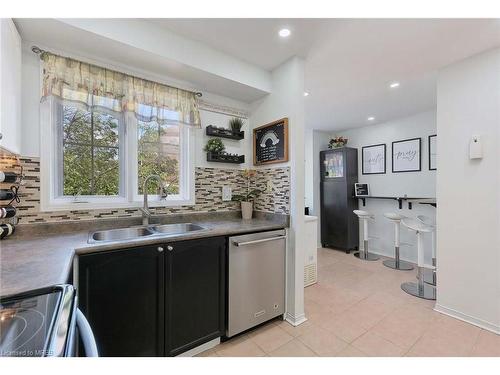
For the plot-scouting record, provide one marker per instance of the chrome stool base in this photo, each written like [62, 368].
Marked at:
[398, 265]
[429, 277]
[420, 290]
[363, 255]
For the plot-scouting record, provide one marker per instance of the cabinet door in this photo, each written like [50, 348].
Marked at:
[122, 295]
[195, 293]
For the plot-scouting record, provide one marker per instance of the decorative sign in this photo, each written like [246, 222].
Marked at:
[373, 159]
[432, 152]
[270, 143]
[406, 155]
[361, 190]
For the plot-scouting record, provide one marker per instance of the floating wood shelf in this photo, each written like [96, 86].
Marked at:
[225, 158]
[224, 133]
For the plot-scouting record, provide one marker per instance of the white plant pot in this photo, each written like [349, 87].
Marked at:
[246, 210]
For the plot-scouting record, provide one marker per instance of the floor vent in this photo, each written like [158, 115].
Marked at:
[310, 274]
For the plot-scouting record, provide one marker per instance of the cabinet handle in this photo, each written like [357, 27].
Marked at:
[160, 249]
[169, 248]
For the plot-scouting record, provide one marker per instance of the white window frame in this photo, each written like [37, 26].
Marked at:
[51, 170]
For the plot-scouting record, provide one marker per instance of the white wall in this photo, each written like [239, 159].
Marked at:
[316, 141]
[413, 184]
[30, 140]
[287, 100]
[468, 191]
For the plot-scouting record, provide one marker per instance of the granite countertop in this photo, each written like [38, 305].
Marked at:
[42, 255]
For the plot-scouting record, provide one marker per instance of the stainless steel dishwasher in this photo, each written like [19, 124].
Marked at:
[256, 289]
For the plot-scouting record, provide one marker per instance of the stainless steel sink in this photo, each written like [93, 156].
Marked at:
[176, 228]
[138, 232]
[120, 234]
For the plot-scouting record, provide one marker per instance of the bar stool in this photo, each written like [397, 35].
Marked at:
[420, 289]
[396, 263]
[364, 216]
[430, 274]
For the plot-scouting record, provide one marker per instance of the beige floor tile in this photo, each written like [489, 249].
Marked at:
[400, 330]
[441, 341]
[293, 348]
[322, 342]
[487, 345]
[350, 351]
[296, 331]
[243, 347]
[270, 337]
[376, 346]
[344, 326]
[368, 312]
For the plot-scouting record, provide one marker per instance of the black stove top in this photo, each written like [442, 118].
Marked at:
[36, 324]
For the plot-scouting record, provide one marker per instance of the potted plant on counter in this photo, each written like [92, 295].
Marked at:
[249, 196]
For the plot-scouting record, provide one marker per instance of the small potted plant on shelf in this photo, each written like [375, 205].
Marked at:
[236, 124]
[215, 146]
[337, 142]
[249, 196]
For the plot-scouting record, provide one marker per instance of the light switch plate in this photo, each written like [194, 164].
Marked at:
[227, 194]
[475, 147]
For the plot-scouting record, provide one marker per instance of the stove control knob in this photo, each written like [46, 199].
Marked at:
[160, 249]
[169, 248]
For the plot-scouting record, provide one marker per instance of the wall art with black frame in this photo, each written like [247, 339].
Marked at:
[432, 152]
[373, 159]
[406, 155]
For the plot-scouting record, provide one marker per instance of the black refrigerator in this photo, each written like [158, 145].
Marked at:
[339, 173]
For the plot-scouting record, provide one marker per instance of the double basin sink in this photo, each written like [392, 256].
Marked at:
[132, 233]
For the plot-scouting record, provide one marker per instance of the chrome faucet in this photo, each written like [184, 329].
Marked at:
[146, 213]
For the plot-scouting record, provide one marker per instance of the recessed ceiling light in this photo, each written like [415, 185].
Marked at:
[306, 93]
[284, 33]
[393, 85]
[371, 118]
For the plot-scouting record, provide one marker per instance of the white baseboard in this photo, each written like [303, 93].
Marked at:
[200, 349]
[295, 320]
[467, 318]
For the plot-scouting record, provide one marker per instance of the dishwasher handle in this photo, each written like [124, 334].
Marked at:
[86, 335]
[236, 243]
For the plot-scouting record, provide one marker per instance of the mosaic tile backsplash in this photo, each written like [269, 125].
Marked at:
[208, 197]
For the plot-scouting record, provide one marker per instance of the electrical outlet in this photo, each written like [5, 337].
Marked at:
[227, 194]
[269, 186]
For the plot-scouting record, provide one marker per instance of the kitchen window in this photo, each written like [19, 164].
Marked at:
[98, 145]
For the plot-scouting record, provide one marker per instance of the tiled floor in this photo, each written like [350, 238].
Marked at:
[357, 308]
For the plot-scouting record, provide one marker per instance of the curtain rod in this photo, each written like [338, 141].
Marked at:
[37, 50]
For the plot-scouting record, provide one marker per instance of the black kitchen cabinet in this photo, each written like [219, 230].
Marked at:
[195, 293]
[122, 294]
[158, 300]
[339, 173]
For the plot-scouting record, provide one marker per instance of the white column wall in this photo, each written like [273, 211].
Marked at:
[287, 100]
[468, 191]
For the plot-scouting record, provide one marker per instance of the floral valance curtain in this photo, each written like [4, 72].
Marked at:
[94, 86]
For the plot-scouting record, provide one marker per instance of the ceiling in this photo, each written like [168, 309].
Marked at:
[254, 40]
[350, 62]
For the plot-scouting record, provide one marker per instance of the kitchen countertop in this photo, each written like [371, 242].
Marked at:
[42, 256]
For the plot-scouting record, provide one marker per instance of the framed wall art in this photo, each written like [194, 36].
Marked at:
[432, 152]
[406, 155]
[270, 143]
[373, 159]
